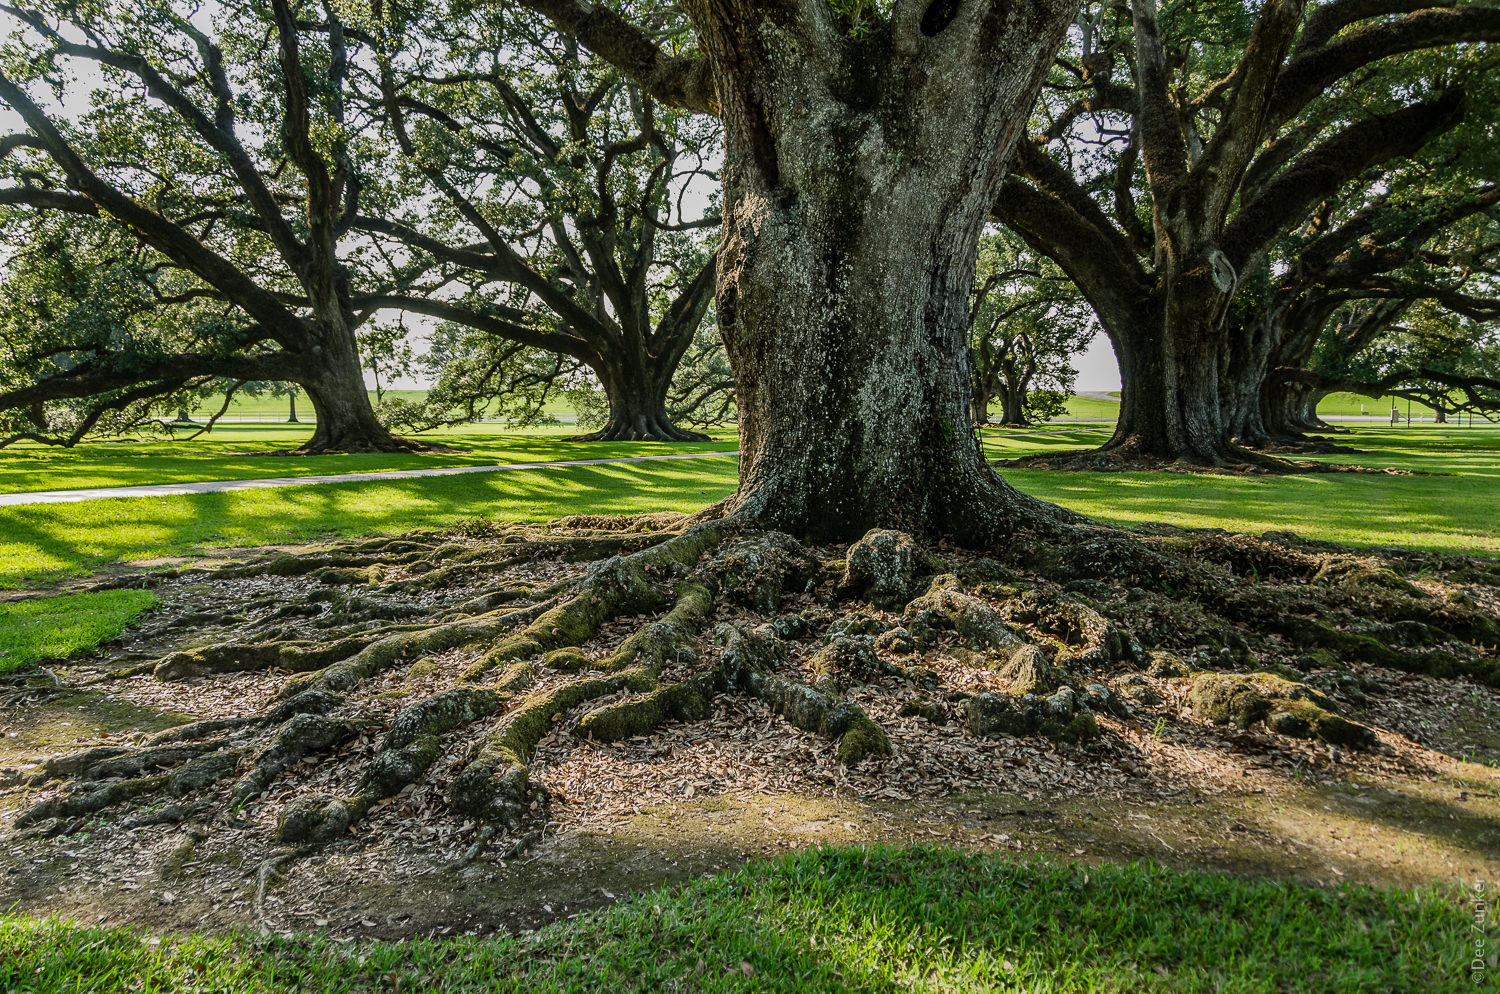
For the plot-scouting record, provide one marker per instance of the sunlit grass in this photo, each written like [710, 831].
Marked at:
[239, 452]
[1450, 503]
[840, 920]
[62, 627]
[42, 542]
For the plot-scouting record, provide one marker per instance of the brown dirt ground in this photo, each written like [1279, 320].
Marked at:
[698, 797]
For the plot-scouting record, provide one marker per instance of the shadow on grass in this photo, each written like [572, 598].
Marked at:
[42, 542]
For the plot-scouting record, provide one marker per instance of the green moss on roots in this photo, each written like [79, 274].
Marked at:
[624, 649]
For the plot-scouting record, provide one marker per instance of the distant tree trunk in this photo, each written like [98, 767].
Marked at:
[1291, 409]
[183, 417]
[636, 388]
[1012, 405]
[292, 417]
[1243, 379]
[1170, 404]
[345, 420]
[1439, 415]
[979, 409]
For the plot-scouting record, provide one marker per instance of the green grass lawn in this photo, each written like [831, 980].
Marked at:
[63, 627]
[1341, 404]
[238, 452]
[1094, 407]
[269, 408]
[1457, 509]
[42, 542]
[841, 920]
[274, 409]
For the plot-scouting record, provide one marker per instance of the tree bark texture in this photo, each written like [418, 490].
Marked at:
[859, 172]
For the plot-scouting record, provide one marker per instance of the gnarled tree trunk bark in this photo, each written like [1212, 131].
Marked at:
[1243, 376]
[1171, 408]
[859, 171]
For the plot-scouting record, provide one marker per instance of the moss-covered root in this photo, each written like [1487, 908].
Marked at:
[310, 702]
[570, 623]
[814, 711]
[1366, 649]
[1092, 640]
[95, 796]
[622, 585]
[301, 736]
[1287, 708]
[113, 762]
[493, 786]
[238, 657]
[686, 701]
[411, 746]
[653, 644]
[391, 650]
[945, 604]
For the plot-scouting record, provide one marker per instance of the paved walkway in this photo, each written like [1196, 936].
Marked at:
[217, 486]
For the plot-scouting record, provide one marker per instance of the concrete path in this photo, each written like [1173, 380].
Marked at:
[217, 486]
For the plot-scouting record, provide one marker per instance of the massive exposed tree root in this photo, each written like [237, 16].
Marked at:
[611, 628]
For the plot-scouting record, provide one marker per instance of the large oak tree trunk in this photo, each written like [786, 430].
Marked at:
[345, 420]
[1242, 380]
[859, 171]
[1012, 406]
[637, 395]
[1291, 409]
[1170, 405]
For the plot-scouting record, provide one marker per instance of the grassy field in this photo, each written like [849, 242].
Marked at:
[269, 408]
[42, 542]
[1093, 407]
[1342, 404]
[823, 920]
[1448, 503]
[239, 452]
[840, 920]
[64, 627]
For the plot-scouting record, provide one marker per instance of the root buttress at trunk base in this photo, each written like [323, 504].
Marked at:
[448, 658]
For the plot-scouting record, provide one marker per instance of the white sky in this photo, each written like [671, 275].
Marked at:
[1097, 367]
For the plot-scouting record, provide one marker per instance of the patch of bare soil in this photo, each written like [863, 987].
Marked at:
[1328, 720]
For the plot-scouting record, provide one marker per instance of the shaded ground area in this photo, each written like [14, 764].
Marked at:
[1412, 798]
